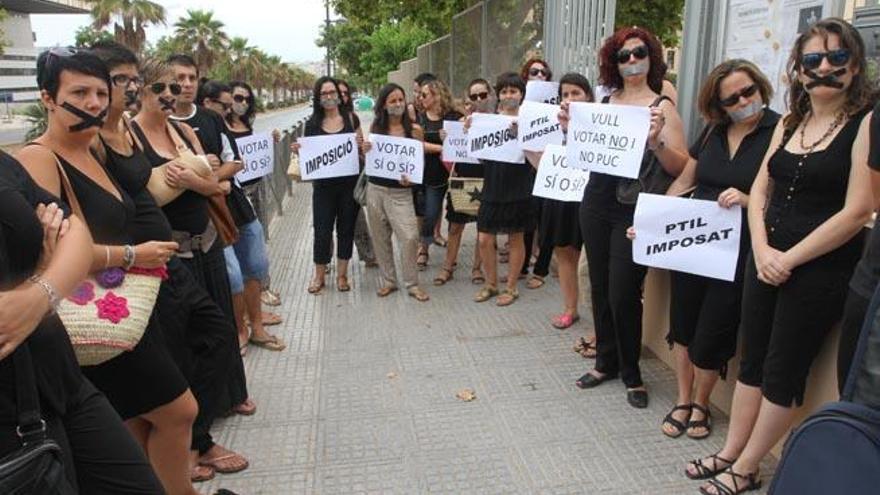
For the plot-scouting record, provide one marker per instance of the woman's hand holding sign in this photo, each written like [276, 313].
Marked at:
[366, 146]
[294, 147]
[733, 196]
[563, 116]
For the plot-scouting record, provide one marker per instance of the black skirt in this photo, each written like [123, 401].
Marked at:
[506, 218]
[560, 224]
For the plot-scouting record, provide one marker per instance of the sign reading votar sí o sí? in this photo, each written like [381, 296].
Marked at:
[325, 157]
[257, 153]
[556, 180]
[608, 139]
[393, 157]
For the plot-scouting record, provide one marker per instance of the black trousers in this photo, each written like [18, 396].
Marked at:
[542, 264]
[213, 338]
[100, 455]
[333, 205]
[854, 311]
[616, 289]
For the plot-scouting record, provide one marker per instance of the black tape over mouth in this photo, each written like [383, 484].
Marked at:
[167, 104]
[130, 98]
[829, 80]
[86, 119]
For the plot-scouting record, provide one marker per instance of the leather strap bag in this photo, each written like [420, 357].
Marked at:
[37, 466]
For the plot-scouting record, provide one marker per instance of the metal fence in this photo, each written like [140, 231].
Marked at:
[267, 195]
[487, 39]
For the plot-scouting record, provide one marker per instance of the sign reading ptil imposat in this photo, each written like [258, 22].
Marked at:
[492, 137]
[393, 157]
[538, 126]
[608, 139]
[687, 235]
[324, 157]
[257, 153]
[455, 146]
[556, 180]
[542, 92]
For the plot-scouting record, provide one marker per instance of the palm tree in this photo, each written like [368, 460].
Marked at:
[203, 35]
[38, 118]
[135, 15]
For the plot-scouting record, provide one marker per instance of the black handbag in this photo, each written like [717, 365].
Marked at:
[652, 176]
[37, 467]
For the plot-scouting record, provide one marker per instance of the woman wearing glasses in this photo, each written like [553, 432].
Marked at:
[436, 100]
[805, 244]
[144, 385]
[704, 312]
[480, 100]
[631, 60]
[332, 199]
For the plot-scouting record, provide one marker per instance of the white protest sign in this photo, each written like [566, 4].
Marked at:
[332, 155]
[491, 138]
[542, 92]
[455, 146]
[391, 157]
[608, 139]
[687, 235]
[556, 180]
[257, 153]
[538, 126]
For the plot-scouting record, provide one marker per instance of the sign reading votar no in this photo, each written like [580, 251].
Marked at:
[608, 139]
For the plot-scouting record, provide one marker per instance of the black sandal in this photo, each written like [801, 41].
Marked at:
[678, 425]
[700, 423]
[705, 472]
[752, 479]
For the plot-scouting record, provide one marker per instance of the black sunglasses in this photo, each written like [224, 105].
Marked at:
[124, 80]
[639, 52]
[478, 96]
[733, 99]
[837, 58]
[535, 71]
[239, 98]
[159, 88]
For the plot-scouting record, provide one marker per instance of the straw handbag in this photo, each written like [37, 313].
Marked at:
[108, 313]
[293, 170]
[465, 194]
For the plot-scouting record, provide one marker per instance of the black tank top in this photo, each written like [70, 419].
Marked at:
[133, 174]
[808, 191]
[189, 212]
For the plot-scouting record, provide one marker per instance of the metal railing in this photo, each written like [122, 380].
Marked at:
[267, 196]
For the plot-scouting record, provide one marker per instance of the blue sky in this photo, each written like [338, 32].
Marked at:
[287, 29]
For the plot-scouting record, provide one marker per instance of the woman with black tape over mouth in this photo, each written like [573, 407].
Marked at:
[805, 244]
[142, 384]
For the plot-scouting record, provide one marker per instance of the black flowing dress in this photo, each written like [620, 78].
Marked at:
[146, 377]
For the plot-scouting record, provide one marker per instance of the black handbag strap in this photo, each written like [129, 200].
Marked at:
[31, 426]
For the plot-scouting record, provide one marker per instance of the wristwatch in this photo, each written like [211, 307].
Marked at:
[51, 293]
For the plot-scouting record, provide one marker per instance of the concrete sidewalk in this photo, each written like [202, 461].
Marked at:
[363, 400]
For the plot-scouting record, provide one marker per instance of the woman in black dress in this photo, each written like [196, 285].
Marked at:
[144, 385]
[195, 329]
[204, 259]
[506, 204]
[100, 455]
[805, 244]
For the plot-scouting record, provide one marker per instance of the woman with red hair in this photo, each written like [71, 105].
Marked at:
[632, 62]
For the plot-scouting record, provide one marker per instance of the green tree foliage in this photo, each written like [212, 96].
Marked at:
[88, 35]
[389, 44]
[129, 19]
[3, 42]
[205, 36]
[662, 17]
[38, 119]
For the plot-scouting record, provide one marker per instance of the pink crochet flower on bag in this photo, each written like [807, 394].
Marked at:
[83, 294]
[113, 308]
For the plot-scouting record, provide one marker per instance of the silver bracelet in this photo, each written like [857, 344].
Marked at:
[51, 293]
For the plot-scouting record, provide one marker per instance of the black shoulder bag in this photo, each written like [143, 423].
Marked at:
[652, 177]
[37, 467]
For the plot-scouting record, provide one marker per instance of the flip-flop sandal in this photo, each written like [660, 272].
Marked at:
[536, 282]
[422, 261]
[586, 348]
[315, 286]
[486, 293]
[440, 241]
[199, 474]
[386, 291]
[273, 343]
[700, 423]
[270, 298]
[270, 319]
[477, 277]
[679, 426]
[418, 294]
[564, 321]
[342, 284]
[213, 463]
[506, 298]
[445, 275]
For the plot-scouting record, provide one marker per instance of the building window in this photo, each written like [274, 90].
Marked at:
[28, 58]
[670, 59]
[17, 72]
